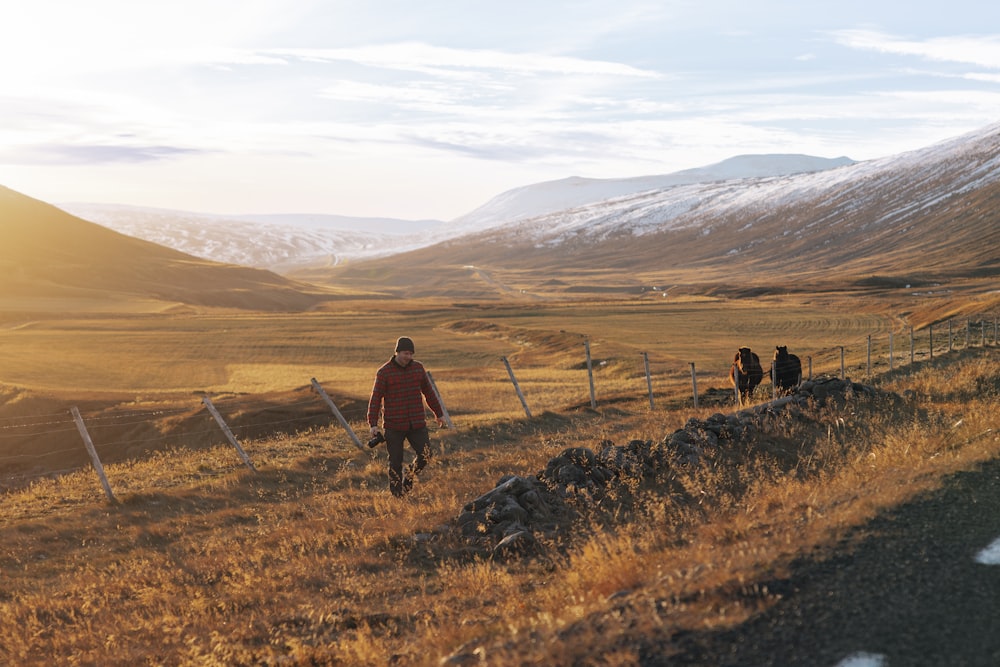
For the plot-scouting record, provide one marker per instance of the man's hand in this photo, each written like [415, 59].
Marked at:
[440, 422]
[373, 431]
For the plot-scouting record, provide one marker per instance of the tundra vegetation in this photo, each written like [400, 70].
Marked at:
[310, 561]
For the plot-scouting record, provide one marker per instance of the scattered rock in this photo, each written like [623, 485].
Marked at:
[509, 518]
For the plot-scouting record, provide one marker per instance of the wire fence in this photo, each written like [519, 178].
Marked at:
[29, 442]
[114, 433]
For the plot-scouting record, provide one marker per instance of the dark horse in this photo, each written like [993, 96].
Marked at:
[787, 370]
[746, 373]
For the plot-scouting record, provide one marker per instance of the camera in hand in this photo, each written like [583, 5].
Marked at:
[377, 438]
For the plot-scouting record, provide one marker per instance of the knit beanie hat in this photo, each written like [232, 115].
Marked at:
[404, 343]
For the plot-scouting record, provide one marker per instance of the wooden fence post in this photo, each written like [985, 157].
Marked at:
[343, 422]
[774, 379]
[225, 429]
[694, 388]
[590, 375]
[809, 359]
[951, 338]
[517, 387]
[444, 409]
[911, 345]
[649, 379]
[89, 444]
[736, 386]
[890, 351]
[842, 374]
[930, 340]
[869, 374]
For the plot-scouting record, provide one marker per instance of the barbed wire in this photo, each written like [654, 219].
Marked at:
[40, 456]
[95, 419]
[247, 427]
[133, 442]
[263, 405]
[160, 412]
[38, 433]
[50, 423]
[46, 416]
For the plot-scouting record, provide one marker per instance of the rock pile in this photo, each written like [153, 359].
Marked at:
[510, 518]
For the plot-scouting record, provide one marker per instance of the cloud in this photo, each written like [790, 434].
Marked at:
[287, 94]
[61, 155]
[484, 150]
[981, 50]
[426, 95]
[420, 57]
[991, 78]
[478, 102]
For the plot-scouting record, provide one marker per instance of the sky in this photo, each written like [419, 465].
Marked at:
[426, 110]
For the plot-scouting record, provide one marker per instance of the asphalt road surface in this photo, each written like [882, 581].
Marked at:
[922, 589]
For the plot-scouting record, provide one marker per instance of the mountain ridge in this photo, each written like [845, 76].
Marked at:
[531, 201]
[921, 216]
[290, 242]
[913, 218]
[50, 254]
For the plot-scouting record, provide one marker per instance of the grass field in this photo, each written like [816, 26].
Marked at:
[309, 560]
[167, 353]
[117, 358]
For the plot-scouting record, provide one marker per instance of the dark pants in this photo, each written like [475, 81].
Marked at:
[420, 440]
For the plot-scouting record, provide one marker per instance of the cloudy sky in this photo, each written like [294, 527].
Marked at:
[428, 109]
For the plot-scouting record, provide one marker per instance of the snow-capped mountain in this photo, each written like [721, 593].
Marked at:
[275, 242]
[294, 241]
[914, 217]
[875, 194]
[918, 216]
[539, 199]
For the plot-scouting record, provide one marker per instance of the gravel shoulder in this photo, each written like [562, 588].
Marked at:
[910, 591]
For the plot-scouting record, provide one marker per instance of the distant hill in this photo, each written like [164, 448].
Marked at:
[539, 199]
[275, 242]
[48, 253]
[289, 242]
[915, 218]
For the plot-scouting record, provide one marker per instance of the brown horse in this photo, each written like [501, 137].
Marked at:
[745, 373]
[787, 370]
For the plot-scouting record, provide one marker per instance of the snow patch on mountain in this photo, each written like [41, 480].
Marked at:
[535, 200]
[552, 212]
[915, 178]
[275, 242]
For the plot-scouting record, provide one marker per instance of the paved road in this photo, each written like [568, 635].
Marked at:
[911, 595]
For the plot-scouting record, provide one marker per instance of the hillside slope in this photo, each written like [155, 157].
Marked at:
[539, 199]
[920, 217]
[295, 242]
[47, 253]
[780, 552]
[275, 242]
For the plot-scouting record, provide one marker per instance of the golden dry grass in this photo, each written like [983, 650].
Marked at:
[311, 561]
[212, 350]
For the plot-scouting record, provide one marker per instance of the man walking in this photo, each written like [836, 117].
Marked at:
[400, 386]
